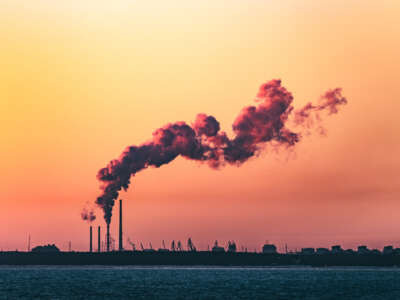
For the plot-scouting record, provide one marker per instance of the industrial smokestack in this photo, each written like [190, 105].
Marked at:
[91, 239]
[108, 237]
[98, 239]
[120, 226]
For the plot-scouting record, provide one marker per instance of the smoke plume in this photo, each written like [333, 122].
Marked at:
[88, 215]
[309, 115]
[204, 141]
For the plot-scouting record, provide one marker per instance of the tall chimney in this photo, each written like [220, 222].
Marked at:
[98, 240]
[91, 239]
[120, 226]
[108, 237]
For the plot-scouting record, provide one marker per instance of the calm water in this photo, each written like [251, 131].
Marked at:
[98, 282]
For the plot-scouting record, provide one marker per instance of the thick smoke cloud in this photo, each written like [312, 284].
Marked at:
[204, 141]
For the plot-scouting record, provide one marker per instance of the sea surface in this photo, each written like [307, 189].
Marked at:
[103, 282]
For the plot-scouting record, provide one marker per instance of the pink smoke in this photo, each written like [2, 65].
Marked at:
[88, 215]
[203, 141]
[308, 115]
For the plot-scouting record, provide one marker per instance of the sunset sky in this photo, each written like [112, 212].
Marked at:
[81, 80]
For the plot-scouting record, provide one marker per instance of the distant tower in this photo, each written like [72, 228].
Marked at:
[98, 240]
[190, 245]
[91, 239]
[120, 248]
[173, 245]
[108, 237]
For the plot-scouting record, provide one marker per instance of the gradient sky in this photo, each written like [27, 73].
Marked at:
[81, 80]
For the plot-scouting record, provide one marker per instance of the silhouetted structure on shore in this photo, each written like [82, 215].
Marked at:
[269, 249]
[269, 256]
[50, 248]
[91, 239]
[48, 255]
[108, 237]
[120, 245]
[98, 239]
[217, 248]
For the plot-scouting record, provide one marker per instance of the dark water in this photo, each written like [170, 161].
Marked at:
[88, 282]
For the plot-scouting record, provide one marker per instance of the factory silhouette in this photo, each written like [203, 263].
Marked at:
[105, 253]
[230, 247]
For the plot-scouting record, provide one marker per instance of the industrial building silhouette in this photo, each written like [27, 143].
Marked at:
[177, 254]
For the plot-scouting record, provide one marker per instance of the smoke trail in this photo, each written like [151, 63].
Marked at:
[88, 215]
[309, 115]
[204, 142]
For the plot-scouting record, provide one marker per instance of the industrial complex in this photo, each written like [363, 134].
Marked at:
[105, 253]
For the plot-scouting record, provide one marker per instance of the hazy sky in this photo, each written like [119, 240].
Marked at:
[80, 82]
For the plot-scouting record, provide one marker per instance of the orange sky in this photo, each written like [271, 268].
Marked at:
[79, 82]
